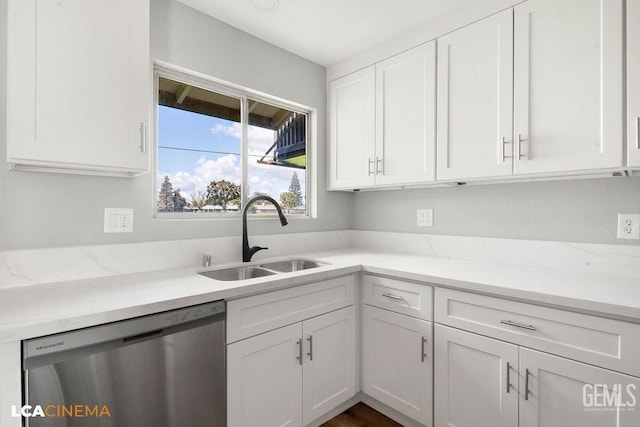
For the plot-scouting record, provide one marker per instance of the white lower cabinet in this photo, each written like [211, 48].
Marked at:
[563, 392]
[264, 379]
[398, 363]
[480, 381]
[471, 377]
[292, 375]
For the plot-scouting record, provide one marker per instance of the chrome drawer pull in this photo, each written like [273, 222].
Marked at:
[369, 173]
[392, 296]
[424, 355]
[526, 385]
[518, 325]
[508, 377]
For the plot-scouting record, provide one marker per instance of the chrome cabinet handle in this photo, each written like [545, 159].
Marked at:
[299, 357]
[638, 133]
[392, 296]
[310, 353]
[143, 139]
[508, 377]
[424, 355]
[504, 143]
[379, 166]
[526, 385]
[520, 139]
[518, 325]
[369, 169]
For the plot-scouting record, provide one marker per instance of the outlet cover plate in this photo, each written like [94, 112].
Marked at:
[118, 220]
[629, 226]
[424, 217]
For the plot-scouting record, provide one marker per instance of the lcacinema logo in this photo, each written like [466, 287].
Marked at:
[61, 411]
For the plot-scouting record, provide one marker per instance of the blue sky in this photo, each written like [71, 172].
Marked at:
[193, 170]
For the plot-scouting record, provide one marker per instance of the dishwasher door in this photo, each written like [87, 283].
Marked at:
[164, 370]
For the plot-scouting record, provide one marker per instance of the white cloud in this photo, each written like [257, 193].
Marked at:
[205, 171]
[259, 139]
[234, 130]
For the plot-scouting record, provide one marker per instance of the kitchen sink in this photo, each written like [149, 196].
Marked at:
[290, 265]
[237, 273]
[243, 272]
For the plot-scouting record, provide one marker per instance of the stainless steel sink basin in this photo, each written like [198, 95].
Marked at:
[237, 273]
[290, 265]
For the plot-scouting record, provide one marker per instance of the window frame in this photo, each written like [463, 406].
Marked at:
[243, 94]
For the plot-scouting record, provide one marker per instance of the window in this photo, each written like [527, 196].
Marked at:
[218, 146]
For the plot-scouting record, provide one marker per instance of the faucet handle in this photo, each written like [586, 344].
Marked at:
[255, 249]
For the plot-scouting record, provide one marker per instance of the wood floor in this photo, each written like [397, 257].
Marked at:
[361, 415]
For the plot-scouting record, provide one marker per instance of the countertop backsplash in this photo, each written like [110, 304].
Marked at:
[31, 267]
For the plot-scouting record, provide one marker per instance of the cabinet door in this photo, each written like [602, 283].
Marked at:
[405, 117]
[352, 130]
[476, 380]
[568, 85]
[264, 379]
[397, 358]
[329, 368]
[633, 83]
[79, 88]
[562, 392]
[475, 99]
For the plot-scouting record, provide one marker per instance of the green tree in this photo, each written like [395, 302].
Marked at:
[198, 199]
[165, 196]
[288, 200]
[223, 192]
[179, 202]
[294, 187]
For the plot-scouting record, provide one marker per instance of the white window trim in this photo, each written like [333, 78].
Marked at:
[174, 72]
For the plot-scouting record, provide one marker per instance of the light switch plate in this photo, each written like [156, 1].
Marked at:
[424, 217]
[118, 220]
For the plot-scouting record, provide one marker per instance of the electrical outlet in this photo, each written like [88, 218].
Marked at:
[118, 220]
[629, 226]
[424, 217]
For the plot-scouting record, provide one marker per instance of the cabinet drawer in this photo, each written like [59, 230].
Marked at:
[603, 342]
[396, 295]
[254, 315]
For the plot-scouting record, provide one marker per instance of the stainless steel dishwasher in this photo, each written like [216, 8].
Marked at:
[161, 370]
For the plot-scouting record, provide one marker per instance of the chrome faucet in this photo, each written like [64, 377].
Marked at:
[247, 252]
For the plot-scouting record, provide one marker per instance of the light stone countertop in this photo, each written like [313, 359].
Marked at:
[38, 310]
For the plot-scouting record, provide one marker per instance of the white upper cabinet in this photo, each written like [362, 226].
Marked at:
[633, 83]
[382, 123]
[78, 86]
[352, 130]
[568, 88]
[405, 117]
[475, 99]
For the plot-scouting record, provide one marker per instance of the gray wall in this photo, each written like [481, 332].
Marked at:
[48, 210]
[583, 210]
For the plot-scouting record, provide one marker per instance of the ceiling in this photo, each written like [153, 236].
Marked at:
[326, 31]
